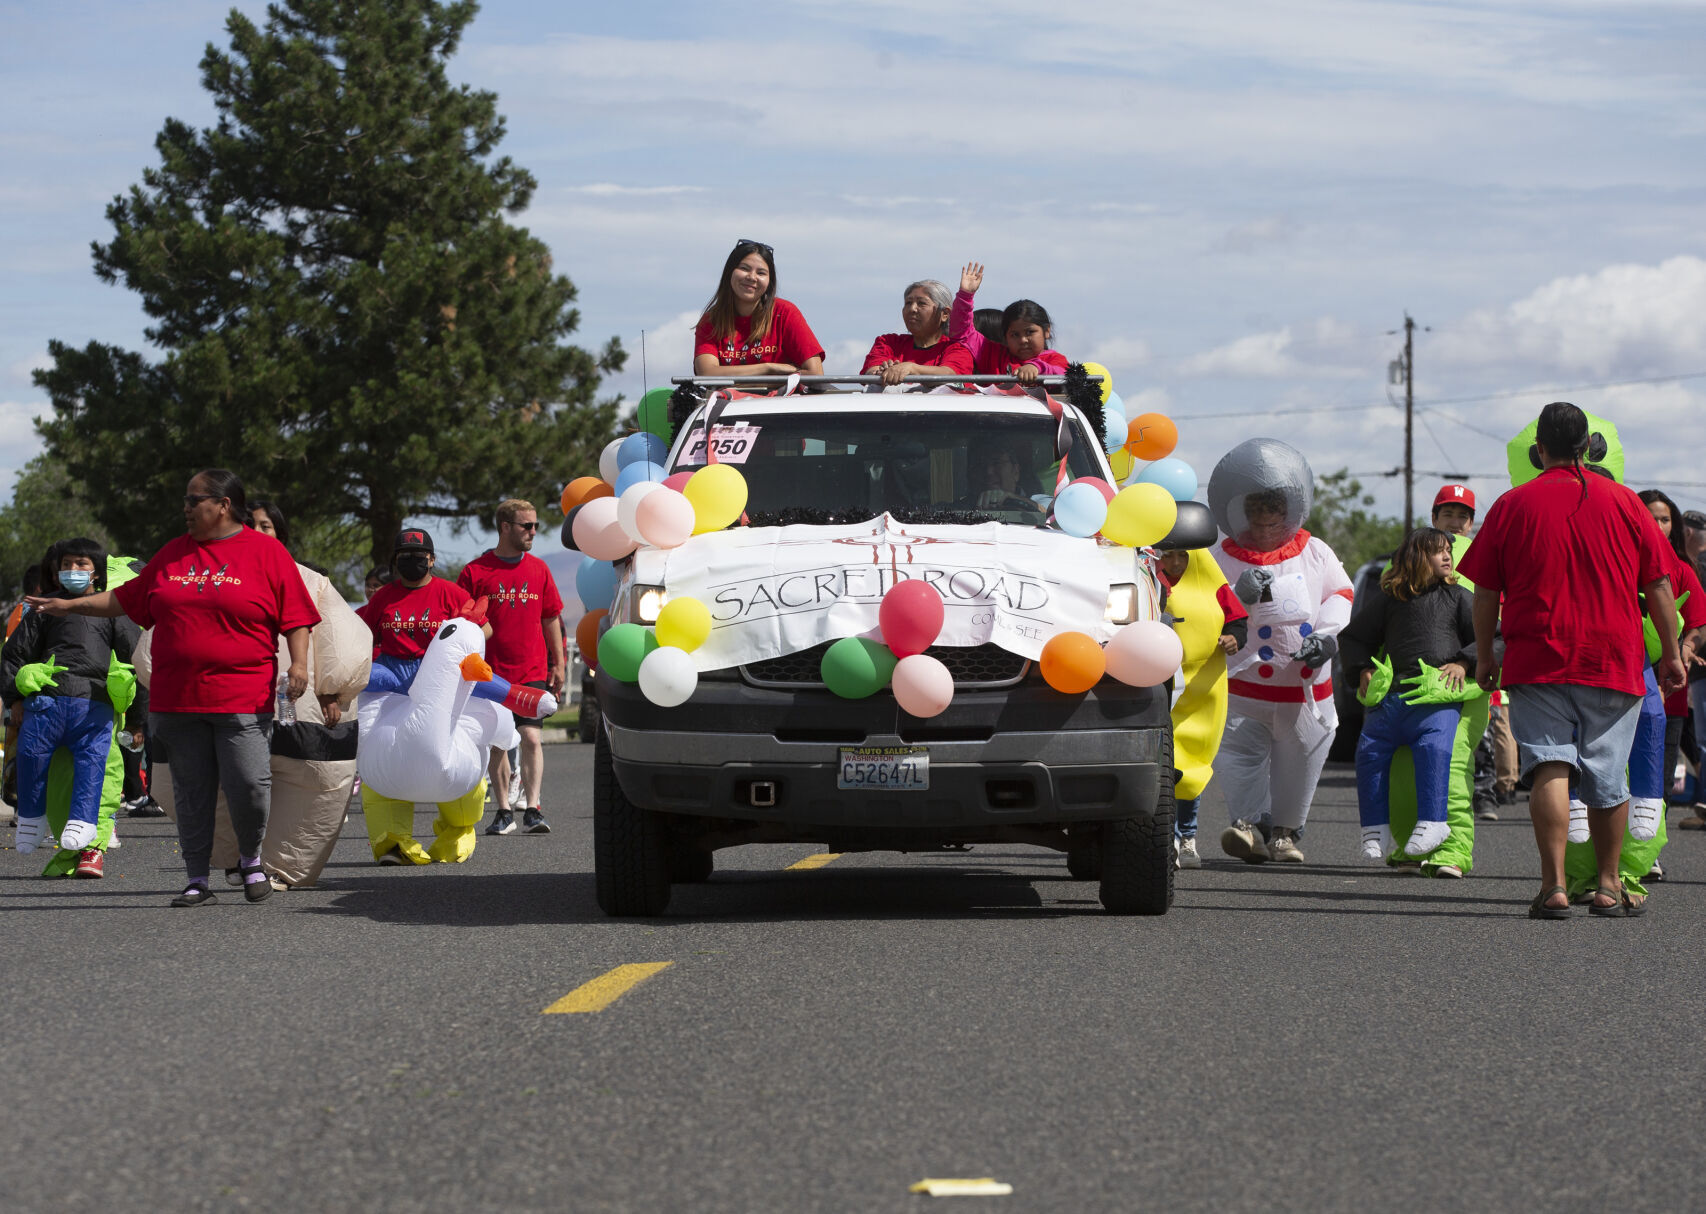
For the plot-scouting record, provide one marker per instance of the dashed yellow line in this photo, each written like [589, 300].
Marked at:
[817, 861]
[606, 989]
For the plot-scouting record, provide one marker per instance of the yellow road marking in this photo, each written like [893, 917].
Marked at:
[817, 861]
[606, 989]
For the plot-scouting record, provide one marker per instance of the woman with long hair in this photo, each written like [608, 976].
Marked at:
[747, 329]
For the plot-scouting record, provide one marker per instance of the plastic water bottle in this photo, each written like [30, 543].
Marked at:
[286, 712]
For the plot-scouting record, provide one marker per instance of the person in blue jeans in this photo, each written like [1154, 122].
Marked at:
[1424, 624]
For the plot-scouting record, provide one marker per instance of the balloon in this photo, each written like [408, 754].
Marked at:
[855, 667]
[1140, 515]
[586, 636]
[1107, 384]
[1114, 431]
[1113, 404]
[1122, 463]
[652, 415]
[1152, 436]
[622, 649]
[628, 508]
[1145, 654]
[641, 448]
[667, 676]
[638, 473]
[583, 489]
[595, 584]
[1072, 662]
[568, 534]
[1101, 486]
[1172, 474]
[718, 494]
[664, 519]
[678, 480]
[910, 617]
[684, 624]
[1080, 509]
[598, 534]
[607, 466]
[922, 685]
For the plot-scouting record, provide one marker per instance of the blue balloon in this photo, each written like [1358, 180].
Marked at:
[1172, 474]
[1080, 510]
[641, 448]
[1115, 425]
[595, 583]
[1114, 404]
[634, 473]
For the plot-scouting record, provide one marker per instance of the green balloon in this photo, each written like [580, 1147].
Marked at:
[622, 649]
[653, 413]
[1523, 470]
[854, 667]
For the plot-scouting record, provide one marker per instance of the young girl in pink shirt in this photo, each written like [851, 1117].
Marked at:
[1025, 327]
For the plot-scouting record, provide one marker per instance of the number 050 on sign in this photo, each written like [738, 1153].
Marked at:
[897, 768]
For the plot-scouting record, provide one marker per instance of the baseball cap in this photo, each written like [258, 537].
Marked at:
[1694, 519]
[412, 539]
[1460, 495]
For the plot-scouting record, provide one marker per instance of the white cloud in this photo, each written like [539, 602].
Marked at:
[19, 442]
[1116, 353]
[606, 189]
[24, 367]
[1255, 235]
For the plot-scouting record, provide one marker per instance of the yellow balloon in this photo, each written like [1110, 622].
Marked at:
[1107, 379]
[684, 623]
[1140, 515]
[1122, 463]
[718, 495]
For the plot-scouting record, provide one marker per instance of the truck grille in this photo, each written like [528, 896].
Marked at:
[973, 666]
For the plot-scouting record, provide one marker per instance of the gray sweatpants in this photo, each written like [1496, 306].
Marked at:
[207, 752]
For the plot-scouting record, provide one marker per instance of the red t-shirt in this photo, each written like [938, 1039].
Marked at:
[403, 620]
[790, 340]
[1570, 555]
[1684, 581]
[217, 609]
[521, 596]
[898, 347]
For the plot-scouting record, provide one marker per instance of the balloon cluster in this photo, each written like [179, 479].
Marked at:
[1145, 509]
[910, 619]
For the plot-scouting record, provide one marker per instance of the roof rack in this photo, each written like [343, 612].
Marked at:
[818, 381]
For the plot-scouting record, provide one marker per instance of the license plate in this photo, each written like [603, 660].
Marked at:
[898, 768]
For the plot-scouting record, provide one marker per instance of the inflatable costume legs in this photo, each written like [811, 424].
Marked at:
[391, 824]
[1646, 790]
[85, 729]
[1271, 758]
[1458, 850]
[59, 784]
[455, 825]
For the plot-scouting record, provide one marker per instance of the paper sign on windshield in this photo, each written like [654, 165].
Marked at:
[733, 443]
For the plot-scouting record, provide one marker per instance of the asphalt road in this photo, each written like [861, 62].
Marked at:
[1320, 1037]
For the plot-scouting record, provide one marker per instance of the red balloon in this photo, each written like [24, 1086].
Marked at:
[910, 617]
[678, 479]
[1106, 490]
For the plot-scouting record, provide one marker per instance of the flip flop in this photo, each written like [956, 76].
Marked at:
[1538, 909]
[1616, 909]
[1634, 905]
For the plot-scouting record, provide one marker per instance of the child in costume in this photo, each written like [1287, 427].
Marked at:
[69, 669]
[1211, 623]
[1025, 330]
[1280, 714]
[1425, 625]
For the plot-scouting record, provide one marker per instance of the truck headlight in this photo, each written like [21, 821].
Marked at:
[644, 603]
[1122, 603]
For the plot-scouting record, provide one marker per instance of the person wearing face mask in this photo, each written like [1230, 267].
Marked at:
[62, 665]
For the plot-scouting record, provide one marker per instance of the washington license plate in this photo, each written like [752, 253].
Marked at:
[899, 768]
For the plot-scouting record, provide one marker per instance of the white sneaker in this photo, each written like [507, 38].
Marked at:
[1376, 843]
[1243, 841]
[1188, 857]
[1426, 837]
[1645, 814]
[1579, 832]
[1283, 847]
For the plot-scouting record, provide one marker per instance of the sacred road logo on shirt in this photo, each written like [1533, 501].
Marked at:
[202, 579]
[513, 596]
[748, 351]
[422, 625]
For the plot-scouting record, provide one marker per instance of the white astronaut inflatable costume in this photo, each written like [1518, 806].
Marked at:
[1281, 718]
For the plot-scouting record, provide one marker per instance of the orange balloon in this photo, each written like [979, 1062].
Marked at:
[1072, 662]
[586, 637]
[1151, 436]
[583, 489]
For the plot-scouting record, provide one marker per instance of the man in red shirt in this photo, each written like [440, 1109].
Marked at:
[404, 615]
[525, 613]
[1568, 552]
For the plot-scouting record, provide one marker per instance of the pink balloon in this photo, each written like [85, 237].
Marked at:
[664, 518]
[677, 480]
[1144, 654]
[1101, 486]
[922, 685]
[599, 534]
[910, 617]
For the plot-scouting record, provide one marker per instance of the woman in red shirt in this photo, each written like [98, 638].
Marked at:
[924, 349]
[746, 329]
[217, 598]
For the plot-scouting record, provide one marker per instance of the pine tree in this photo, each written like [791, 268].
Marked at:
[347, 318]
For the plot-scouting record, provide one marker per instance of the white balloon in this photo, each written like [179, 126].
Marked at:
[628, 505]
[607, 466]
[1144, 654]
[923, 686]
[598, 534]
[668, 676]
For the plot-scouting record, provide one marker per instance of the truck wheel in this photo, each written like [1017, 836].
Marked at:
[690, 865]
[1137, 853]
[588, 725]
[1084, 860]
[630, 848]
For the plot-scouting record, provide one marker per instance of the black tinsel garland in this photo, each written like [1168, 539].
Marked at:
[682, 402]
[813, 516]
[1087, 397]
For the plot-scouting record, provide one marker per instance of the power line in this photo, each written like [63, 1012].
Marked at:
[1561, 388]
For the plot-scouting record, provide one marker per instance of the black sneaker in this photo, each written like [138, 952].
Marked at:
[503, 823]
[393, 855]
[144, 807]
[533, 822]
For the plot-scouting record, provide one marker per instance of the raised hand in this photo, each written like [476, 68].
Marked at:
[971, 278]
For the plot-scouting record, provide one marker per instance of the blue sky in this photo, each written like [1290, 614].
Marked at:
[1230, 205]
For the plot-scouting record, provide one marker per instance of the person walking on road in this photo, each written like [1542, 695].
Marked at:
[1568, 553]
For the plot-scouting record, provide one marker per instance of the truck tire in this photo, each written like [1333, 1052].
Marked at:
[1137, 852]
[1084, 858]
[690, 865]
[630, 847]
[588, 725]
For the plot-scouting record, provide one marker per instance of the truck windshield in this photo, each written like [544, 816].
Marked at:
[994, 464]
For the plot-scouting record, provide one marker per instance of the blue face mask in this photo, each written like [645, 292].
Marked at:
[76, 581]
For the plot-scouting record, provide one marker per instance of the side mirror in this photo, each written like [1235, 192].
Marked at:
[1195, 528]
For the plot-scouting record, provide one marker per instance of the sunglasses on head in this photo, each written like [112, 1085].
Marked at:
[744, 243]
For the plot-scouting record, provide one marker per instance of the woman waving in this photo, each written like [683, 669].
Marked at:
[746, 329]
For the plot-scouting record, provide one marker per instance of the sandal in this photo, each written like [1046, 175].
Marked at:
[1539, 908]
[1634, 905]
[1618, 896]
[257, 886]
[194, 895]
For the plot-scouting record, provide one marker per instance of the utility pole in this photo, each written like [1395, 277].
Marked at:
[1409, 423]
